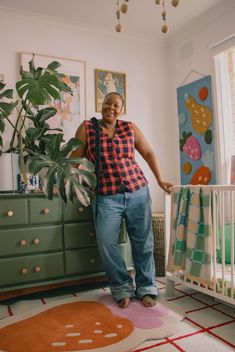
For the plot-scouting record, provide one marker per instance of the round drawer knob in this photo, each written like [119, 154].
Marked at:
[46, 211]
[36, 241]
[37, 269]
[23, 271]
[92, 260]
[81, 209]
[10, 213]
[92, 234]
[23, 242]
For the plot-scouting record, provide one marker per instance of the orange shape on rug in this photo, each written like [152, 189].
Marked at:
[84, 325]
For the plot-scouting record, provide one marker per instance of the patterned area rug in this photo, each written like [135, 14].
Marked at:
[90, 322]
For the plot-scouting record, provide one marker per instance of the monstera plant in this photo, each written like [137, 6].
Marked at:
[39, 146]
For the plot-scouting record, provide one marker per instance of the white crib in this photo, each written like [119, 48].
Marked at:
[223, 285]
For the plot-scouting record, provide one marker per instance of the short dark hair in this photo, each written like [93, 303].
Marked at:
[116, 93]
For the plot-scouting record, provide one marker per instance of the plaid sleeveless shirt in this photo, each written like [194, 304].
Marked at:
[117, 164]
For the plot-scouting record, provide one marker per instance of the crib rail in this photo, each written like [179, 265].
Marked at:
[223, 237]
[223, 216]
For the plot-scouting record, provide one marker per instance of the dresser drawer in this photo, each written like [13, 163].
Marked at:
[82, 234]
[83, 261]
[13, 212]
[77, 212]
[31, 240]
[79, 235]
[31, 268]
[43, 210]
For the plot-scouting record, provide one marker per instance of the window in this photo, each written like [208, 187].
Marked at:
[230, 55]
[224, 58]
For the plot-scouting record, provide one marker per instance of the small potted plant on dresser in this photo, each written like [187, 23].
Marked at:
[38, 146]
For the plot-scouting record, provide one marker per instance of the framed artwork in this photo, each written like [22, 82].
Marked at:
[107, 82]
[196, 130]
[71, 109]
[1, 77]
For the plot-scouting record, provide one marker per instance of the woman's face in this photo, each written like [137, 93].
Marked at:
[111, 107]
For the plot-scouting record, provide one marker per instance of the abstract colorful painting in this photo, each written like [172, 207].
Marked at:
[196, 133]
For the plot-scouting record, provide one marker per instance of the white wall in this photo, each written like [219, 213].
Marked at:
[213, 27]
[143, 61]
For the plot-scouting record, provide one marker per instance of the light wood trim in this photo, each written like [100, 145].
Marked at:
[28, 291]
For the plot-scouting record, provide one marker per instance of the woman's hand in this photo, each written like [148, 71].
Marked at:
[166, 186]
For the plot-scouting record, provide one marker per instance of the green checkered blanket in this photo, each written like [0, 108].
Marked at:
[191, 238]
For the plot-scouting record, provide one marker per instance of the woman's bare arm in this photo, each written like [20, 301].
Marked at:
[81, 135]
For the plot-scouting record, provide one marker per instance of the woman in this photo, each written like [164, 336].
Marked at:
[122, 194]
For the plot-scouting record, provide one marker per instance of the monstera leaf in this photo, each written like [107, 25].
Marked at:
[39, 86]
[6, 108]
[62, 173]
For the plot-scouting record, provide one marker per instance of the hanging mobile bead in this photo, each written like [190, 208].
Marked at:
[124, 7]
[175, 2]
[118, 27]
[164, 27]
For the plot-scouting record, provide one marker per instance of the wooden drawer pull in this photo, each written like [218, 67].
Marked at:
[37, 269]
[92, 261]
[80, 209]
[10, 213]
[23, 242]
[23, 271]
[36, 241]
[46, 211]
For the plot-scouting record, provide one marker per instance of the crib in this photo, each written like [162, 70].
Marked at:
[221, 284]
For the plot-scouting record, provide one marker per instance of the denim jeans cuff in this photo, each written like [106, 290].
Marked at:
[142, 291]
[124, 290]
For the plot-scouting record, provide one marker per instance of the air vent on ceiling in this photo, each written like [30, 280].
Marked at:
[186, 50]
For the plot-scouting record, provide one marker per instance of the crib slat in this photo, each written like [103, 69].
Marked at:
[223, 240]
[232, 221]
[214, 236]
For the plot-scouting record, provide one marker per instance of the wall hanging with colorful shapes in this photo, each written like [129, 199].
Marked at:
[196, 130]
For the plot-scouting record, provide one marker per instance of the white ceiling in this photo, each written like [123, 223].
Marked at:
[143, 17]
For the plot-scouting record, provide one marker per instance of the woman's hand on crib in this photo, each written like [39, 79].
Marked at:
[166, 186]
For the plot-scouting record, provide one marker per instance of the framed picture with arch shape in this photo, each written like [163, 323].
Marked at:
[106, 82]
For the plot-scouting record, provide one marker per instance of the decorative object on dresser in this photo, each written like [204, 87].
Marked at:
[9, 166]
[41, 146]
[159, 243]
[47, 243]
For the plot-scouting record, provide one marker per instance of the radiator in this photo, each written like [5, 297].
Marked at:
[159, 243]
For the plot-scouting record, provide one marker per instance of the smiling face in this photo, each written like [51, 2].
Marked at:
[112, 107]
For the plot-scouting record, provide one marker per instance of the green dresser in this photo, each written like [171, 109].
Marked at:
[45, 243]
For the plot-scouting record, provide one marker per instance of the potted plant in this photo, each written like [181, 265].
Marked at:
[41, 147]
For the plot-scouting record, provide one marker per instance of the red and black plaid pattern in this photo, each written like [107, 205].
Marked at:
[117, 164]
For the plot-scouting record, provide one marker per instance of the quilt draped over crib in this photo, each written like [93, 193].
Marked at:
[190, 248]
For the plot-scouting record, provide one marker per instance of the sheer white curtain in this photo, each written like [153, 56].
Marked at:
[224, 130]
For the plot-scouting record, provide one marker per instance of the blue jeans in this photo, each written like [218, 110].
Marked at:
[135, 208]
